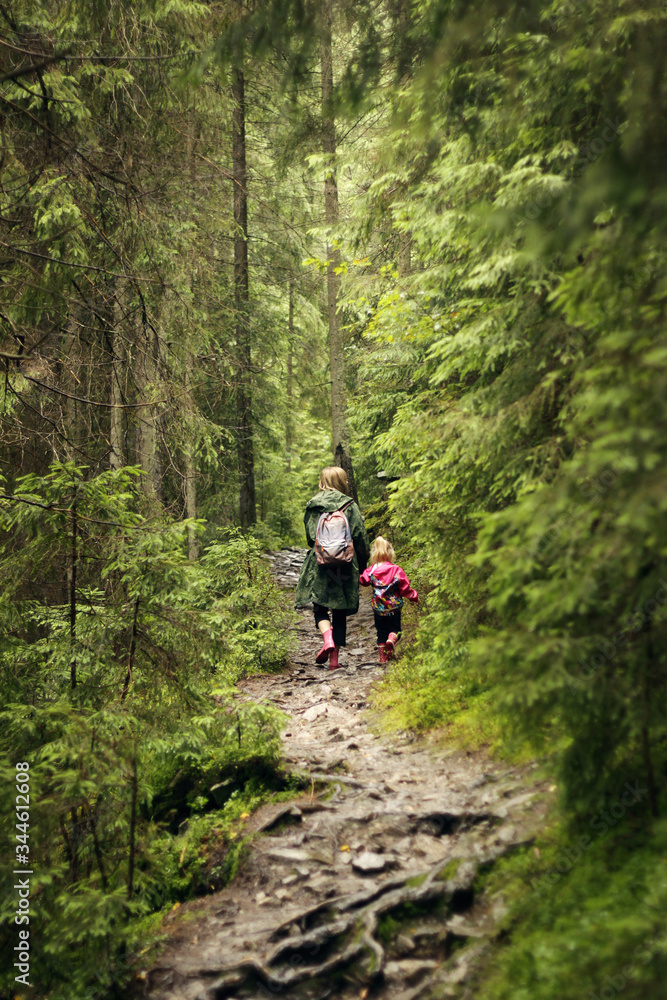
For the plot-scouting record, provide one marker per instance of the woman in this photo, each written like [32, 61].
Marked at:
[334, 586]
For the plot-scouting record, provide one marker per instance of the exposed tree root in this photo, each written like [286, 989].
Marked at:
[338, 934]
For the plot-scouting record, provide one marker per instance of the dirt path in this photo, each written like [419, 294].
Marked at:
[366, 888]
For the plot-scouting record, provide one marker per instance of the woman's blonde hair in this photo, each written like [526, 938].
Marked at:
[382, 551]
[334, 478]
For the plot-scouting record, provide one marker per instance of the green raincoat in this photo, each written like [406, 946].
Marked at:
[335, 587]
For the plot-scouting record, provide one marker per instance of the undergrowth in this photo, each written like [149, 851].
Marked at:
[119, 698]
[419, 693]
[584, 902]
[202, 859]
[585, 914]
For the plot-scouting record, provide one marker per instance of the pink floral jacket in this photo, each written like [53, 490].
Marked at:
[390, 585]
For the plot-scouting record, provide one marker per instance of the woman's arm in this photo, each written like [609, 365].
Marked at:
[359, 537]
[310, 520]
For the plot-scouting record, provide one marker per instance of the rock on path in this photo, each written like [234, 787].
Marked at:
[364, 886]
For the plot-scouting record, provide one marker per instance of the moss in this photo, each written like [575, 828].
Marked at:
[390, 924]
[387, 929]
[579, 918]
[357, 932]
[450, 870]
[371, 960]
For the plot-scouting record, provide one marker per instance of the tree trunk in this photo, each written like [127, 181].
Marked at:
[336, 354]
[133, 823]
[289, 423]
[404, 255]
[72, 416]
[148, 451]
[190, 484]
[72, 601]
[247, 508]
[116, 430]
[190, 469]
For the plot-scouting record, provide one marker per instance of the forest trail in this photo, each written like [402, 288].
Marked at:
[366, 885]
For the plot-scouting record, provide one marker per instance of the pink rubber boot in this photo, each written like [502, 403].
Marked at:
[333, 659]
[392, 639]
[382, 650]
[326, 648]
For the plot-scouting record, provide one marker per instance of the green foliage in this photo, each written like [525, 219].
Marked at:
[509, 342]
[583, 916]
[391, 924]
[117, 204]
[241, 591]
[501, 239]
[117, 686]
[203, 857]
[513, 377]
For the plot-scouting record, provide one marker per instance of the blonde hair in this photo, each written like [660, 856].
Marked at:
[334, 478]
[382, 551]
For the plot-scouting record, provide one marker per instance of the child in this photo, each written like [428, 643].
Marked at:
[390, 585]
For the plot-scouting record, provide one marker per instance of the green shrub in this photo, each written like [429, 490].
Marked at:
[117, 689]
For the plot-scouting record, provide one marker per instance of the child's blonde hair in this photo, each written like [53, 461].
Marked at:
[334, 478]
[382, 551]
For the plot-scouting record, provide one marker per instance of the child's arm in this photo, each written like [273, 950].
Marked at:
[365, 577]
[404, 587]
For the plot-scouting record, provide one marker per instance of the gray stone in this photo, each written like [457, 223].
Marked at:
[313, 713]
[319, 884]
[289, 854]
[291, 811]
[222, 791]
[404, 944]
[434, 807]
[369, 862]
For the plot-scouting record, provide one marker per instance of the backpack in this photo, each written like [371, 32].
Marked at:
[385, 599]
[333, 540]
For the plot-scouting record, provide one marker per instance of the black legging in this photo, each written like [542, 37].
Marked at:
[338, 621]
[384, 624]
